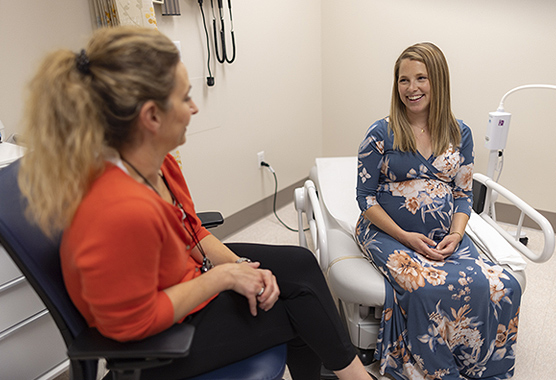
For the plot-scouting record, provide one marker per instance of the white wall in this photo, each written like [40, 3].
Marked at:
[268, 99]
[28, 30]
[491, 46]
[312, 75]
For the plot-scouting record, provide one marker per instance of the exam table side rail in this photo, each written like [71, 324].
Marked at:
[307, 201]
[493, 187]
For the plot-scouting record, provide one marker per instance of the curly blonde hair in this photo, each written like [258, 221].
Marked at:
[444, 128]
[78, 106]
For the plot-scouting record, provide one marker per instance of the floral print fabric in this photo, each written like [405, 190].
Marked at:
[455, 319]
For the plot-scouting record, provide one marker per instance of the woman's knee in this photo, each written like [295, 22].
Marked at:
[290, 256]
[302, 262]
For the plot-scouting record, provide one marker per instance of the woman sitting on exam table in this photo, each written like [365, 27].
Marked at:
[415, 192]
[135, 258]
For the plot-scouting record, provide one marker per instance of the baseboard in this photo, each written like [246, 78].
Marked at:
[507, 213]
[251, 214]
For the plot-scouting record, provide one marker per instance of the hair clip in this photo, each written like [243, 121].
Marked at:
[82, 62]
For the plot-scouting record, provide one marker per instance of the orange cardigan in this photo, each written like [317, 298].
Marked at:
[124, 246]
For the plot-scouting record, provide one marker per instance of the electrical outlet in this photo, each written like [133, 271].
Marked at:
[260, 158]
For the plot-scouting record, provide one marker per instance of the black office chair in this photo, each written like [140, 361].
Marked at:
[38, 259]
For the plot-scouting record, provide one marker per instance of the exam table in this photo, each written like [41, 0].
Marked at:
[327, 204]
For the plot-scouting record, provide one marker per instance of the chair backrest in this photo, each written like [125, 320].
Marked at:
[36, 255]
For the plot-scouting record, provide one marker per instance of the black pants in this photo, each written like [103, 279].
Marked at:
[305, 317]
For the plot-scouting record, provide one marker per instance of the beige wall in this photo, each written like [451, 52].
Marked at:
[269, 99]
[312, 75]
[491, 46]
[28, 30]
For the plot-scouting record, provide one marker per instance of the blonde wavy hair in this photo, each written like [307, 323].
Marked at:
[443, 126]
[73, 114]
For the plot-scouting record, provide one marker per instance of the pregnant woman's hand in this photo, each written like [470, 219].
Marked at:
[422, 245]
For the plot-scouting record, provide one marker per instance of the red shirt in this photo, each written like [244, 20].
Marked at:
[125, 246]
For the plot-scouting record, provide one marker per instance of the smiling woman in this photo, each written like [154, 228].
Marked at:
[414, 91]
[424, 64]
[415, 196]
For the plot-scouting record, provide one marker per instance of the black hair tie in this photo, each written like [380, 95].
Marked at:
[82, 62]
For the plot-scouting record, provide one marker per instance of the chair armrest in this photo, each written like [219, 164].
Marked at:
[210, 219]
[174, 342]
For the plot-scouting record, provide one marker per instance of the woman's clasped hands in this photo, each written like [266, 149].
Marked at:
[429, 248]
[258, 285]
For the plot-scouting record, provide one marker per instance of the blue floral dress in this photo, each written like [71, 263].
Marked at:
[455, 319]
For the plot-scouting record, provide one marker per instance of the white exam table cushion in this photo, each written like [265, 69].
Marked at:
[493, 244]
[9, 153]
[337, 179]
[351, 276]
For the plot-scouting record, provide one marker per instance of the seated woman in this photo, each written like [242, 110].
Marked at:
[135, 258]
[448, 314]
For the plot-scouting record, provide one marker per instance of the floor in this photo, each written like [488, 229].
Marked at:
[536, 348]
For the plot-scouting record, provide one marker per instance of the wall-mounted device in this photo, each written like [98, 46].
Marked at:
[224, 57]
[497, 131]
[222, 52]
[210, 78]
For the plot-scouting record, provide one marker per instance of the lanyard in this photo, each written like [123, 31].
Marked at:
[207, 264]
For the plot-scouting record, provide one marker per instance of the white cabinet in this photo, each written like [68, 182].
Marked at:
[31, 346]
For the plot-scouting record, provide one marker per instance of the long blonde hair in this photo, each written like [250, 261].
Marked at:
[74, 113]
[443, 126]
